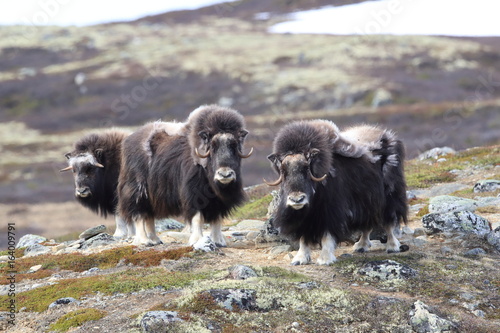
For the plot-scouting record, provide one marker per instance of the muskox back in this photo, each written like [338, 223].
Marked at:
[96, 162]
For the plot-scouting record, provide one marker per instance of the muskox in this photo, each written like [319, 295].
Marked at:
[190, 169]
[96, 162]
[333, 185]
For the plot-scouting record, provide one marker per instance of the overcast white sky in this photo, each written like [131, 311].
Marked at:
[401, 17]
[88, 12]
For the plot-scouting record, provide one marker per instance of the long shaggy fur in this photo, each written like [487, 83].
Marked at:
[106, 149]
[162, 175]
[351, 198]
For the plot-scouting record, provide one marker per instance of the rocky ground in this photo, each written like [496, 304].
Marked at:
[447, 281]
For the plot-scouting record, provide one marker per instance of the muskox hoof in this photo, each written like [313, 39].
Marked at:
[404, 248]
[221, 244]
[301, 260]
[361, 250]
[393, 251]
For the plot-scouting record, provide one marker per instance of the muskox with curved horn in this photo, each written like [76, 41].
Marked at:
[330, 187]
[191, 169]
[95, 162]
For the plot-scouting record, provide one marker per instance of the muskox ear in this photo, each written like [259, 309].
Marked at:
[204, 136]
[312, 154]
[274, 158]
[98, 153]
[243, 134]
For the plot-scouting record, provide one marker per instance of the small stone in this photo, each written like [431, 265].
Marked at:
[475, 252]
[158, 321]
[451, 267]
[168, 224]
[280, 249]
[35, 268]
[63, 301]
[489, 185]
[91, 232]
[346, 255]
[410, 195]
[407, 230]
[90, 271]
[424, 321]
[467, 296]
[419, 232]
[101, 239]
[435, 153]
[479, 313]
[4, 258]
[30, 239]
[295, 324]
[235, 299]
[252, 235]
[241, 272]
[445, 250]
[205, 244]
[308, 285]
[493, 238]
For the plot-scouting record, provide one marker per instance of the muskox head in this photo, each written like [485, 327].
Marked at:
[297, 178]
[87, 172]
[217, 141]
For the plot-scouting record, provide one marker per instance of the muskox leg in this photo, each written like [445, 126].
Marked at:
[364, 242]
[393, 244]
[327, 255]
[196, 229]
[121, 228]
[216, 234]
[130, 230]
[149, 224]
[141, 237]
[303, 256]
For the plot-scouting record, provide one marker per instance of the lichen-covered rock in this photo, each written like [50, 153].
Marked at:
[91, 232]
[241, 272]
[383, 270]
[447, 203]
[462, 222]
[99, 240]
[205, 244]
[475, 252]
[158, 321]
[168, 224]
[36, 250]
[423, 321]
[63, 301]
[30, 239]
[493, 238]
[235, 299]
[269, 234]
[437, 152]
[489, 185]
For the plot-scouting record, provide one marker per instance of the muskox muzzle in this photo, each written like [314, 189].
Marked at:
[297, 200]
[83, 192]
[225, 175]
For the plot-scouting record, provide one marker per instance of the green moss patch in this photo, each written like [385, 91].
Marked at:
[76, 318]
[123, 282]
[256, 209]
[79, 262]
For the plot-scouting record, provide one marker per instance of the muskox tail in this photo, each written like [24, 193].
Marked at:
[392, 156]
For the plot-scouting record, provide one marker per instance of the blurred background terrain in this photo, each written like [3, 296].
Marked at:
[59, 82]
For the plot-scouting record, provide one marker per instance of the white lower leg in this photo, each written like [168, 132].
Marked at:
[196, 229]
[141, 238]
[364, 242]
[130, 230]
[216, 234]
[121, 227]
[303, 256]
[151, 232]
[393, 243]
[327, 255]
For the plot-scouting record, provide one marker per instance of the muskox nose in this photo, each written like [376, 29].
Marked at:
[225, 175]
[297, 200]
[82, 192]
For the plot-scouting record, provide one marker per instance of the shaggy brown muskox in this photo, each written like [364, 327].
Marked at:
[331, 187]
[95, 162]
[191, 169]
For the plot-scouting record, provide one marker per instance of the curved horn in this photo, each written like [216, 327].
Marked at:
[200, 155]
[247, 155]
[99, 165]
[315, 178]
[66, 169]
[276, 182]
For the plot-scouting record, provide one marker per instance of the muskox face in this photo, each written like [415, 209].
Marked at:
[87, 173]
[298, 183]
[223, 156]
